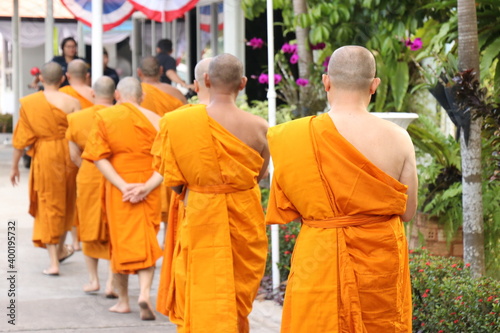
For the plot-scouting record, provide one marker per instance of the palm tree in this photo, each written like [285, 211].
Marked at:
[473, 225]
[304, 51]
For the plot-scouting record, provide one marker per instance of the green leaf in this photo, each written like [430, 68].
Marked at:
[489, 54]
[399, 84]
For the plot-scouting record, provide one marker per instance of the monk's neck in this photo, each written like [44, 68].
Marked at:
[349, 101]
[50, 88]
[223, 99]
[78, 84]
[151, 80]
[103, 102]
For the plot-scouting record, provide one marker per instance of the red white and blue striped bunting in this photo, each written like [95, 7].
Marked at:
[115, 12]
[164, 10]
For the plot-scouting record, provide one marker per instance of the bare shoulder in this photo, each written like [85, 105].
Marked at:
[258, 122]
[391, 131]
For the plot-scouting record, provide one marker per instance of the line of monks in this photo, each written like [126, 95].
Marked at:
[113, 172]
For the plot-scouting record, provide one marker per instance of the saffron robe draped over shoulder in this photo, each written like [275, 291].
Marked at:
[92, 228]
[349, 269]
[69, 90]
[217, 245]
[42, 126]
[158, 101]
[123, 135]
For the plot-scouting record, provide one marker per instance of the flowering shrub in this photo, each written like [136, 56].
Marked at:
[447, 299]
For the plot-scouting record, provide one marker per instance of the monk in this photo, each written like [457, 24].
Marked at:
[158, 96]
[200, 88]
[78, 76]
[93, 230]
[351, 178]
[119, 144]
[41, 126]
[216, 246]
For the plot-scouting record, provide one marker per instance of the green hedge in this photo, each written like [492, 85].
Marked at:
[6, 123]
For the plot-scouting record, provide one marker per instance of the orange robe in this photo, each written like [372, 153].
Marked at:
[92, 228]
[349, 269]
[158, 101]
[124, 136]
[216, 246]
[52, 174]
[85, 103]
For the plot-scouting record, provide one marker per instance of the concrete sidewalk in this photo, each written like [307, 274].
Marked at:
[58, 304]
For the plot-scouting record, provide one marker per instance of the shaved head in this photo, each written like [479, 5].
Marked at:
[225, 71]
[130, 89]
[352, 68]
[52, 73]
[200, 70]
[78, 69]
[104, 87]
[150, 66]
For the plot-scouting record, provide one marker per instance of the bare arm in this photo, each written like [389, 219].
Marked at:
[409, 178]
[110, 174]
[14, 174]
[266, 155]
[174, 77]
[75, 153]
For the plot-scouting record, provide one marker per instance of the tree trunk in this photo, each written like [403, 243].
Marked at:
[304, 52]
[473, 224]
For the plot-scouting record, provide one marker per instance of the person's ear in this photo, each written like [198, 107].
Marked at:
[196, 86]
[373, 86]
[117, 96]
[208, 84]
[162, 71]
[92, 93]
[139, 73]
[326, 82]
[243, 83]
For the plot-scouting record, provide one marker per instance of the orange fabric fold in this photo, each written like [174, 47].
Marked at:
[124, 136]
[92, 227]
[158, 101]
[84, 103]
[216, 244]
[349, 269]
[42, 127]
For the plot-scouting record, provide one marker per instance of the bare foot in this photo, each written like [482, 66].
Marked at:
[110, 293]
[91, 287]
[51, 271]
[146, 311]
[120, 308]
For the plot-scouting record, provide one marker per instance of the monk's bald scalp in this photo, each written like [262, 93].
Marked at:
[104, 87]
[78, 69]
[150, 66]
[130, 88]
[200, 69]
[352, 68]
[52, 73]
[225, 71]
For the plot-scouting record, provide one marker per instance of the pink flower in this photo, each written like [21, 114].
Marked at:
[302, 82]
[428, 263]
[277, 78]
[263, 78]
[294, 58]
[319, 46]
[416, 45]
[454, 265]
[455, 321]
[421, 270]
[467, 265]
[287, 48]
[325, 65]
[425, 295]
[287, 252]
[256, 43]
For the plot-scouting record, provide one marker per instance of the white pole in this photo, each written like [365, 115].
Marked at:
[81, 39]
[271, 97]
[49, 31]
[153, 37]
[97, 45]
[214, 28]
[16, 58]
[198, 34]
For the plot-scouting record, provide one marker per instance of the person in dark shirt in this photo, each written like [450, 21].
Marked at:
[69, 49]
[169, 72]
[108, 71]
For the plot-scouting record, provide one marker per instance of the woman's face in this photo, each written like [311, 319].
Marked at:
[69, 49]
